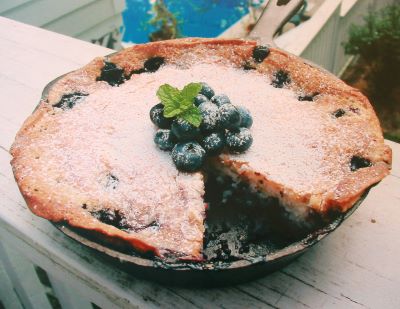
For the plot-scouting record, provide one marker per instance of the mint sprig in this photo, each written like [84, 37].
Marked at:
[179, 103]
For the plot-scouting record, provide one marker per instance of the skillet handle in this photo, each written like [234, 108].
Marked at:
[275, 14]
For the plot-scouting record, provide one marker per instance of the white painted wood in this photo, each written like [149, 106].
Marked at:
[69, 17]
[8, 297]
[119, 5]
[352, 12]
[24, 279]
[85, 18]
[108, 26]
[67, 295]
[6, 5]
[356, 266]
[39, 13]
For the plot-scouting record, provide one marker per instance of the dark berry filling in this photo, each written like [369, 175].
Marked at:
[111, 74]
[355, 110]
[339, 113]
[280, 79]
[112, 181]
[247, 66]
[357, 162]
[153, 64]
[116, 218]
[260, 53]
[242, 223]
[112, 217]
[68, 101]
[307, 97]
[150, 65]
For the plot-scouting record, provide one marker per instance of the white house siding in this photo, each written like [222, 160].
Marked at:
[96, 21]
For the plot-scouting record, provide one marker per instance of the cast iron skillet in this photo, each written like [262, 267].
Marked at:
[240, 247]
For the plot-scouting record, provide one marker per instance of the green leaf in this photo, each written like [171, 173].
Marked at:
[191, 90]
[180, 103]
[192, 115]
[171, 98]
[171, 111]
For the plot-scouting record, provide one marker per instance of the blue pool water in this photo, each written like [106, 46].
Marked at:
[197, 18]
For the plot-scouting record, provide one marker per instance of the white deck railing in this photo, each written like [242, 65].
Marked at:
[320, 39]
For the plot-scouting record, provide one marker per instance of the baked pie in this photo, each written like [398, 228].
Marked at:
[86, 156]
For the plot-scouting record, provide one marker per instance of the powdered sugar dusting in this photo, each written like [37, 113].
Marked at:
[110, 132]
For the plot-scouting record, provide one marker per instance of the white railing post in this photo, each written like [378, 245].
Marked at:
[67, 296]
[351, 12]
[24, 279]
[8, 297]
[322, 48]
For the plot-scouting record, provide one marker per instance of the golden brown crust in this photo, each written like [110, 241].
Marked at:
[331, 94]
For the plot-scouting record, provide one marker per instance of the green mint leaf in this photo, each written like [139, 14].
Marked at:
[171, 98]
[190, 91]
[192, 115]
[180, 103]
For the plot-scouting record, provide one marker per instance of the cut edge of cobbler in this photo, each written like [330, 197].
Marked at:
[241, 221]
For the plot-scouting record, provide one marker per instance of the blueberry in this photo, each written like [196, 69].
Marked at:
[210, 117]
[281, 78]
[260, 53]
[206, 90]
[200, 98]
[246, 119]
[357, 162]
[188, 157]
[112, 74]
[158, 118]
[239, 140]
[69, 100]
[220, 99]
[164, 139]
[230, 116]
[214, 143]
[183, 130]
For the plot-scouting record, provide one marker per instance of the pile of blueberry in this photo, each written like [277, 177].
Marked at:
[223, 126]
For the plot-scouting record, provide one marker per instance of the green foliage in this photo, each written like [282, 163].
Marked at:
[166, 21]
[379, 36]
[377, 42]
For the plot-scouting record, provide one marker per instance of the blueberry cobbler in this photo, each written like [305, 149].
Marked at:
[150, 146]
